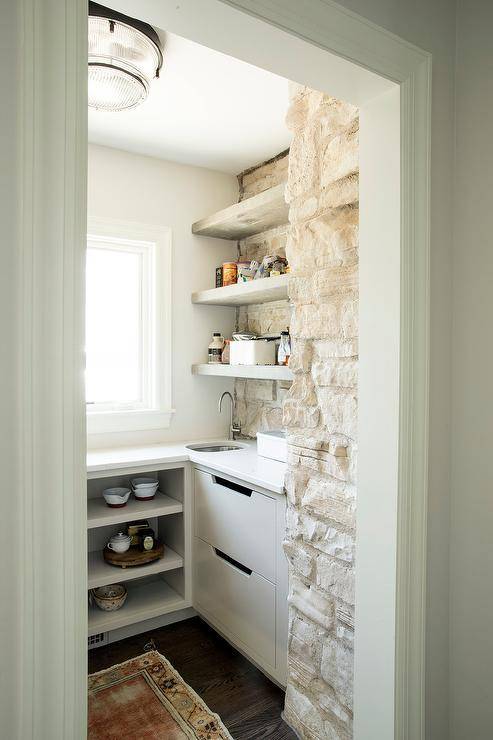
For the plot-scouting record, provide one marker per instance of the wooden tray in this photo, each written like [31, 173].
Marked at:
[134, 556]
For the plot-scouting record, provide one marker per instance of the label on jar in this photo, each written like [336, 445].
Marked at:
[215, 354]
[148, 542]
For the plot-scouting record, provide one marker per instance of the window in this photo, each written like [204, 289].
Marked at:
[128, 309]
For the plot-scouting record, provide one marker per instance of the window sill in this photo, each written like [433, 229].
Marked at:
[128, 421]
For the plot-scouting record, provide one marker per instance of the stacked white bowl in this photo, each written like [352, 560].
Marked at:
[144, 488]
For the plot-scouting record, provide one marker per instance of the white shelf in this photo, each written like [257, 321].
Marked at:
[100, 515]
[101, 573]
[251, 216]
[259, 372]
[264, 290]
[144, 601]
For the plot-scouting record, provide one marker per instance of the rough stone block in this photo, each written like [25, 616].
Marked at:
[340, 155]
[311, 602]
[337, 669]
[335, 579]
[264, 176]
[335, 320]
[302, 714]
[339, 410]
[334, 466]
[328, 539]
[329, 499]
[301, 357]
[296, 414]
[302, 562]
[335, 373]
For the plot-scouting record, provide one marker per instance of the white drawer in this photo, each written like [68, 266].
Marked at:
[242, 603]
[241, 523]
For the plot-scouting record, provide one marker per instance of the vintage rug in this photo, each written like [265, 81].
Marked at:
[146, 699]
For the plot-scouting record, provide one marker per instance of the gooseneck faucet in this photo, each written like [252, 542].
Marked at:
[232, 429]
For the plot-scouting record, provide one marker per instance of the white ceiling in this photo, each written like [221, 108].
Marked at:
[207, 109]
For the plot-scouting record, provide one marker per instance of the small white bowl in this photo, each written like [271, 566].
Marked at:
[144, 483]
[145, 494]
[110, 598]
[116, 497]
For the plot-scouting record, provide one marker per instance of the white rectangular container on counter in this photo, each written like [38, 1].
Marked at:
[272, 445]
[252, 352]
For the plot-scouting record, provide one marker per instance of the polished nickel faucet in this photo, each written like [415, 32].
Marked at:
[232, 429]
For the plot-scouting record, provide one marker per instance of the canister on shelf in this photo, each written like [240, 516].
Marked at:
[133, 529]
[230, 272]
[147, 539]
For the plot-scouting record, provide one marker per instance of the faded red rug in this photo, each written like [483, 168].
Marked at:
[146, 699]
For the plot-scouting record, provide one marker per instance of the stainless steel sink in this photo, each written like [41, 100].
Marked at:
[214, 448]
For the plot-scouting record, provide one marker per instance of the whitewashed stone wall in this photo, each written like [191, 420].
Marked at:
[259, 402]
[320, 412]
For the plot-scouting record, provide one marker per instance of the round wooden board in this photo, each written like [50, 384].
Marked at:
[134, 556]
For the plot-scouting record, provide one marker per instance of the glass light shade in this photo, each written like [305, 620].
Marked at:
[122, 63]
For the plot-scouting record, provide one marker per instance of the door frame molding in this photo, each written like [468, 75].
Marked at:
[52, 43]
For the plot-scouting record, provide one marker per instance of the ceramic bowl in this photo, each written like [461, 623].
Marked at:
[116, 497]
[144, 489]
[144, 494]
[110, 598]
[144, 483]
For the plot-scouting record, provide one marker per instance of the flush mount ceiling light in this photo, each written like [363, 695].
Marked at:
[124, 56]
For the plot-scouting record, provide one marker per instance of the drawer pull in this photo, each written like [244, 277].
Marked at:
[233, 486]
[234, 563]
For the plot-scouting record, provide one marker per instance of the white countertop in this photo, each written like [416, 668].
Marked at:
[243, 464]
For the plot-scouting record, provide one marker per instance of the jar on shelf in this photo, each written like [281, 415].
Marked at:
[284, 351]
[215, 348]
[230, 272]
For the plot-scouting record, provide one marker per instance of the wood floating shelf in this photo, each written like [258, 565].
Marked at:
[100, 515]
[264, 290]
[251, 216]
[101, 573]
[258, 372]
[144, 601]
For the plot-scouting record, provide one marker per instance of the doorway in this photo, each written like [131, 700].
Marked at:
[408, 303]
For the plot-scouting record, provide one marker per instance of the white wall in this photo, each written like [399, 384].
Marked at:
[132, 187]
[471, 549]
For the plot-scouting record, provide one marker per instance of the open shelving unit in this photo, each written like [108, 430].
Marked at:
[156, 588]
[264, 290]
[100, 515]
[256, 372]
[248, 217]
[144, 601]
[259, 213]
[101, 573]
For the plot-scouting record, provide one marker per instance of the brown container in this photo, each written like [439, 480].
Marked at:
[229, 273]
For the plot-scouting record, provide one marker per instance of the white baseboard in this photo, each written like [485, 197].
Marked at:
[150, 624]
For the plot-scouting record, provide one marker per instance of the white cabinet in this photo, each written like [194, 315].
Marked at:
[240, 571]
[241, 600]
[237, 520]
[160, 588]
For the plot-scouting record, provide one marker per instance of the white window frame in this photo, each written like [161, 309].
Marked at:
[155, 245]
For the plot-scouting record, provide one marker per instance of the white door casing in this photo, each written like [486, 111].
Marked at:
[51, 50]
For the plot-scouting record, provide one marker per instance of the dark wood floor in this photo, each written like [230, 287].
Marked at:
[248, 703]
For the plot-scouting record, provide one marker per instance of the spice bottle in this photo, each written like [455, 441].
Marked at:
[215, 348]
[284, 351]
